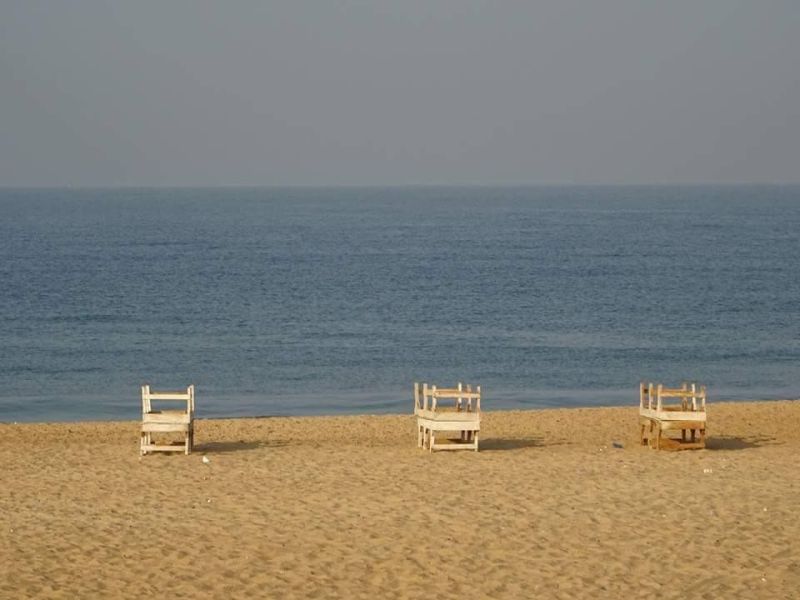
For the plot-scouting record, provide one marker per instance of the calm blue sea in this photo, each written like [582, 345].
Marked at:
[323, 301]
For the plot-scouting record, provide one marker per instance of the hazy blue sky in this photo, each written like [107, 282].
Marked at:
[163, 92]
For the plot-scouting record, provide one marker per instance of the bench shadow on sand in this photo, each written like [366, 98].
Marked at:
[240, 446]
[739, 443]
[492, 444]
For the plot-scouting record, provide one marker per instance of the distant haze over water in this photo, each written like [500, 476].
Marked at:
[321, 301]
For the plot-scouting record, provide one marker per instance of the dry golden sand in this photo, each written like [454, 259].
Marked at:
[324, 507]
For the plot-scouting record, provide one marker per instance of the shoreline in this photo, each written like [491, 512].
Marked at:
[594, 424]
[347, 413]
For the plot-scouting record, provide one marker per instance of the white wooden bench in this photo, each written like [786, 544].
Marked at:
[167, 421]
[664, 409]
[463, 415]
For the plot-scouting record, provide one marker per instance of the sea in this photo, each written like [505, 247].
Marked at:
[319, 301]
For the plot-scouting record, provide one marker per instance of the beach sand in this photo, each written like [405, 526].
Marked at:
[349, 507]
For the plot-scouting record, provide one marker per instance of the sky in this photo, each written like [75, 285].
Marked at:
[333, 92]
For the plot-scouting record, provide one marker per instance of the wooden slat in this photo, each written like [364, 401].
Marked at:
[165, 427]
[170, 416]
[170, 396]
[670, 444]
[162, 448]
[469, 446]
[465, 417]
[441, 393]
[665, 393]
[673, 416]
[452, 426]
[683, 425]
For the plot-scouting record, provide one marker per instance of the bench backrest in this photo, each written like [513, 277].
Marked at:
[148, 396]
[691, 396]
[466, 399]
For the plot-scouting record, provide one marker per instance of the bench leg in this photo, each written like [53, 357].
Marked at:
[147, 439]
[654, 436]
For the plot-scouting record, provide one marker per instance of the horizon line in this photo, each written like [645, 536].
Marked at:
[124, 186]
